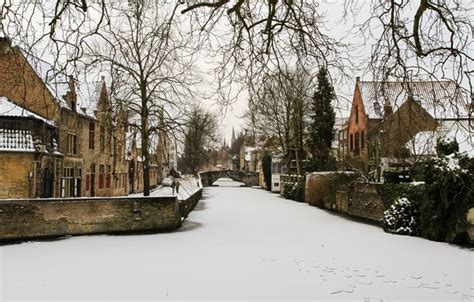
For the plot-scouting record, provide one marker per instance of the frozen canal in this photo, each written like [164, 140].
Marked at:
[246, 244]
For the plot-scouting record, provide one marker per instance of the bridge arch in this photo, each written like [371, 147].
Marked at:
[248, 178]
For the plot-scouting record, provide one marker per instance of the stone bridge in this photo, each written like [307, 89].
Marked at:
[248, 178]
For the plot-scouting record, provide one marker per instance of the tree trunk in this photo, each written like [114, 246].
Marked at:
[145, 148]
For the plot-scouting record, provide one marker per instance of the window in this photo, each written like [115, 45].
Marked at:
[351, 142]
[102, 138]
[90, 179]
[91, 135]
[71, 182]
[71, 143]
[108, 177]
[109, 141]
[362, 139]
[357, 141]
[88, 182]
[101, 176]
[357, 114]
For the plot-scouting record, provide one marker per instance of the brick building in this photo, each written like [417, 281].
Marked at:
[386, 115]
[49, 148]
[29, 155]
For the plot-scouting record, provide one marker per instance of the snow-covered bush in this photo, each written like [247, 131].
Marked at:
[402, 218]
[446, 146]
[449, 183]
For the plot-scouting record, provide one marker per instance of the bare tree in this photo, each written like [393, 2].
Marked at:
[427, 39]
[258, 38]
[412, 38]
[279, 109]
[151, 66]
[200, 136]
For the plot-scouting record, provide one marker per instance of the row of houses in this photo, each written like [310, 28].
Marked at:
[391, 125]
[51, 146]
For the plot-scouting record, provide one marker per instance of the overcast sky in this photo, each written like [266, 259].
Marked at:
[338, 28]
[344, 30]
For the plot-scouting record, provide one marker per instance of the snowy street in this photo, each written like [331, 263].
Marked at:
[242, 243]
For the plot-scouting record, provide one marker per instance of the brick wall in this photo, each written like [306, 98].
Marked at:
[34, 218]
[364, 202]
[15, 169]
[336, 191]
[358, 126]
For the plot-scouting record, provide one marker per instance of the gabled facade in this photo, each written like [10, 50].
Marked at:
[386, 115]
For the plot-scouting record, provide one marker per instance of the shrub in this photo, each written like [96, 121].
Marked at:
[294, 191]
[288, 190]
[267, 171]
[391, 192]
[402, 218]
[446, 146]
[449, 195]
[299, 192]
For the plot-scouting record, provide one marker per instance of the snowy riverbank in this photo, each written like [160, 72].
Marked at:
[242, 244]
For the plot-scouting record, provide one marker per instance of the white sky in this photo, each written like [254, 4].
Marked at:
[336, 28]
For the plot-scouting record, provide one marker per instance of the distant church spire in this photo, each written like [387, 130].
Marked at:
[233, 136]
[104, 104]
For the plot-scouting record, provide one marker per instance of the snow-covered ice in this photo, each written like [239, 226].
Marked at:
[242, 243]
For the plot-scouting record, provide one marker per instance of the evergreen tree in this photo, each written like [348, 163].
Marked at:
[322, 124]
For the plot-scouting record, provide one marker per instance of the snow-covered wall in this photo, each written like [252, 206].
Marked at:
[22, 219]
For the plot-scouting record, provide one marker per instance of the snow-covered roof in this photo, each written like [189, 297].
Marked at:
[441, 99]
[57, 83]
[8, 108]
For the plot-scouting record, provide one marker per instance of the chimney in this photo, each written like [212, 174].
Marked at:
[357, 80]
[71, 94]
[5, 44]
[387, 108]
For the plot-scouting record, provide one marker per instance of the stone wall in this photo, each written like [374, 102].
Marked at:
[363, 201]
[321, 187]
[338, 192]
[187, 205]
[33, 218]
